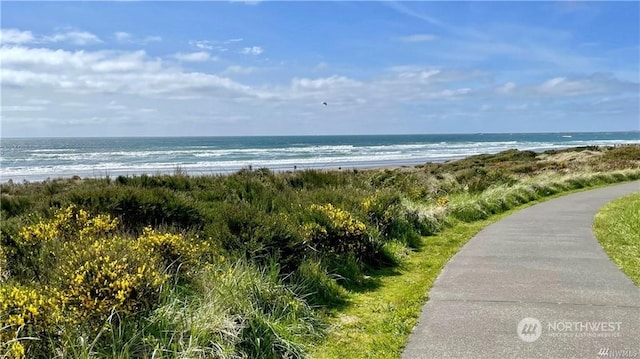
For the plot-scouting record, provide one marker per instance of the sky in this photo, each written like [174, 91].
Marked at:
[212, 68]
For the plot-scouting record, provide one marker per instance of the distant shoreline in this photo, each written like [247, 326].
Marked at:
[338, 135]
[328, 166]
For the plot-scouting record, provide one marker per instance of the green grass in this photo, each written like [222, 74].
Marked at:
[617, 227]
[376, 323]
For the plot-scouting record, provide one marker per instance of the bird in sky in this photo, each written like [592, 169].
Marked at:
[324, 103]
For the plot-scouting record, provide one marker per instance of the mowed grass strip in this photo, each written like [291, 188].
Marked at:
[377, 321]
[617, 227]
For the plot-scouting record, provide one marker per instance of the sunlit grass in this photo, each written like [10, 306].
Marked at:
[376, 323]
[378, 319]
[617, 227]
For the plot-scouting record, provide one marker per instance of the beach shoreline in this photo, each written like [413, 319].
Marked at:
[39, 159]
[319, 166]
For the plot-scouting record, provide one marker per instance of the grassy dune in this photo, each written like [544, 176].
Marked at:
[617, 227]
[255, 264]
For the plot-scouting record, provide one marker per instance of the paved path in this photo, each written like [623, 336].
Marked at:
[542, 262]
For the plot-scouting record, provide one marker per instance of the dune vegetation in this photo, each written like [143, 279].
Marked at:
[255, 264]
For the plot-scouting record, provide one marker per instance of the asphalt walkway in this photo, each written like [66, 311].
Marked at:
[544, 264]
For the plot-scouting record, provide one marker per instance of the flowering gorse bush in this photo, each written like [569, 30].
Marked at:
[335, 230]
[96, 271]
[100, 276]
[177, 252]
[442, 201]
[33, 251]
[26, 313]
[69, 223]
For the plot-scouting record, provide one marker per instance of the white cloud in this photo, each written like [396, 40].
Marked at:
[321, 66]
[323, 83]
[202, 44]
[38, 102]
[254, 50]
[594, 84]
[115, 106]
[74, 37]
[564, 86]
[193, 56]
[122, 36]
[418, 38]
[105, 72]
[223, 45]
[506, 88]
[420, 75]
[45, 60]
[74, 104]
[247, 2]
[241, 70]
[452, 93]
[128, 38]
[22, 108]
[148, 39]
[15, 36]
[77, 88]
[239, 39]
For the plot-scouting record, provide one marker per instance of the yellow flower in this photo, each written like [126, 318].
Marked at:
[17, 350]
[442, 201]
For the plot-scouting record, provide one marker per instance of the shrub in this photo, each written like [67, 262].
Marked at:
[100, 276]
[29, 319]
[314, 179]
[69, 223]
[12, 205]
[395, 218]
[140, 207]
[96, 271]
[32, 251]
[177, 252]
[257, 236]
[336, 231]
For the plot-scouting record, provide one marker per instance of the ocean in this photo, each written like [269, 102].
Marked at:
[35, 159]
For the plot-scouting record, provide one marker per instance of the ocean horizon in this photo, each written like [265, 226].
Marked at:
[41, 158]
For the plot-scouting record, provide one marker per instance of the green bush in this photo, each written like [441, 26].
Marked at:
[334, 231]
[140, 207]
[394, 220]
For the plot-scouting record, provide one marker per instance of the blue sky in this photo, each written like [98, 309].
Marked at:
[264, 68]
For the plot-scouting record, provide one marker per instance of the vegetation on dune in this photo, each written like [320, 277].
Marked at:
[254, 264]
[617, 227]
